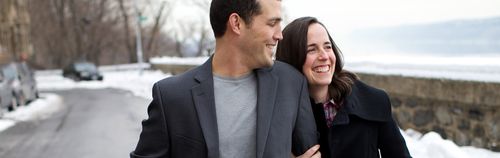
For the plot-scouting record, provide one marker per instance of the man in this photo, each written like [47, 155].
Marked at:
[239, 103]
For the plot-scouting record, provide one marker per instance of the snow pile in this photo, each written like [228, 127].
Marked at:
[4, 124]
[40, 109]
[432, 145]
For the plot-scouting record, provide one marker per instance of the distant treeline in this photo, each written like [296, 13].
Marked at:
[103, 31]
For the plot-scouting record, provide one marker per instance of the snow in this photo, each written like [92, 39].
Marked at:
[4, 124]
[45, 106]
[131, 80]
[429, 145]
[125, 77]
[40, 109]
[484, 68]
[178, 60]
[432, 145]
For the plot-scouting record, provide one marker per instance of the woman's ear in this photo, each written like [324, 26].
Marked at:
[235, 23]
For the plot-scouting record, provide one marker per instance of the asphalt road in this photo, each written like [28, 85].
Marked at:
[101, 123]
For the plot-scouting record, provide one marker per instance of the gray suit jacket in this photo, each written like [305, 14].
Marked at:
[182, 119]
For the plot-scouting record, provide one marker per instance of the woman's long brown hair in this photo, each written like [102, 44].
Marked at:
[293, 50]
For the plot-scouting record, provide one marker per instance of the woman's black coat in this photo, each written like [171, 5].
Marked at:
[362, 126]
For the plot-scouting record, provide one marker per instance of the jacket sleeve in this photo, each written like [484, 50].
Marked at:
[391, 143]
[304, 133]
[153, 141]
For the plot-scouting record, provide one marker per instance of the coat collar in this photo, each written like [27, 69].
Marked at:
[368, 103]
[364, 101]
[204, 100]
[266, 95]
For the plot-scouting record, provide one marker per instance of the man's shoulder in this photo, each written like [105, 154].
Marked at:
[285, 69]
[286, 73]
[183, 79]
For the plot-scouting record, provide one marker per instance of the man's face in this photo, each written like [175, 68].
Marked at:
[262, 34]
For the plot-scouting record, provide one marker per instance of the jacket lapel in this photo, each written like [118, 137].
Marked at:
[203, 97]
[267, 87]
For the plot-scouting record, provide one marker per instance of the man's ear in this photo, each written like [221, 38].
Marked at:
[235, 23]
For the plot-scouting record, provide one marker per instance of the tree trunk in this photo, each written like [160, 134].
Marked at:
[126, 30]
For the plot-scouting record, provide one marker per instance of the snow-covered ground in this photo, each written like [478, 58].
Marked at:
[40, 109]
[429, 145]
[140, 85]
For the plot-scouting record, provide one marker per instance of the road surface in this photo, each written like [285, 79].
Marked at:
[94, 123]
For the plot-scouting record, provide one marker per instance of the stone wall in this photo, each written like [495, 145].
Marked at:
[464, 111]
[172, 69]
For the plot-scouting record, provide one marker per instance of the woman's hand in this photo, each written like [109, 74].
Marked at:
[313, 152]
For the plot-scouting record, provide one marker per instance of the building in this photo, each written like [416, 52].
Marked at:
[15, 41]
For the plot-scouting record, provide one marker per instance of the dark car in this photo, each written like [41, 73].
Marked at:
[82, 71]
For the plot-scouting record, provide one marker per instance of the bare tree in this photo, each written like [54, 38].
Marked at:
[151, 33]
[124, 9]
[205, 41]
[64, 31]
[160, 19]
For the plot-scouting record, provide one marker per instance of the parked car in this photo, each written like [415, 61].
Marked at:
[26, 76]
[82, 71]
[8, 99]
[22, 80]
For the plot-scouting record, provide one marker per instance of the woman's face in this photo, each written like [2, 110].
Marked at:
[320, 61]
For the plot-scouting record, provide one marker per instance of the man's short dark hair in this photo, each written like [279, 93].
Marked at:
[221, 9]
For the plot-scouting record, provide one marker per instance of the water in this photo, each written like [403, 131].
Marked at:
[461, 49]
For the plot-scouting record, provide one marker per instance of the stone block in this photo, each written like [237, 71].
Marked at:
[403, 117]
[495, 147]
[456, 110]
[461, 139]
[494, 125]
[476, 114]
[464, 125]
[423, 117]
[441, 131]
[477, 142]
[395, 102]
[412, 102]
[443, 115]
[478, 131]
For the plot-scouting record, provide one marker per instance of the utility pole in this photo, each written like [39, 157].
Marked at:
[138, 37]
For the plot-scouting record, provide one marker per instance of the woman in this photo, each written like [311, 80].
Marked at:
[353, 119]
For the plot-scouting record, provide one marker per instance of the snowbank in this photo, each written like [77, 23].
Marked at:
[47, 105]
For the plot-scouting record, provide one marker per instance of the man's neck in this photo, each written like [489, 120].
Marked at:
[228, 61]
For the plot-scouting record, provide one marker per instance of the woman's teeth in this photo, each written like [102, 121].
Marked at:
[321, 69]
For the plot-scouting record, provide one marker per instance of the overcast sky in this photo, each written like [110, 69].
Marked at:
[346, 15]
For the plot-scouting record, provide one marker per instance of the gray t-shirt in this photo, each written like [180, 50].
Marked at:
[236, 108]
